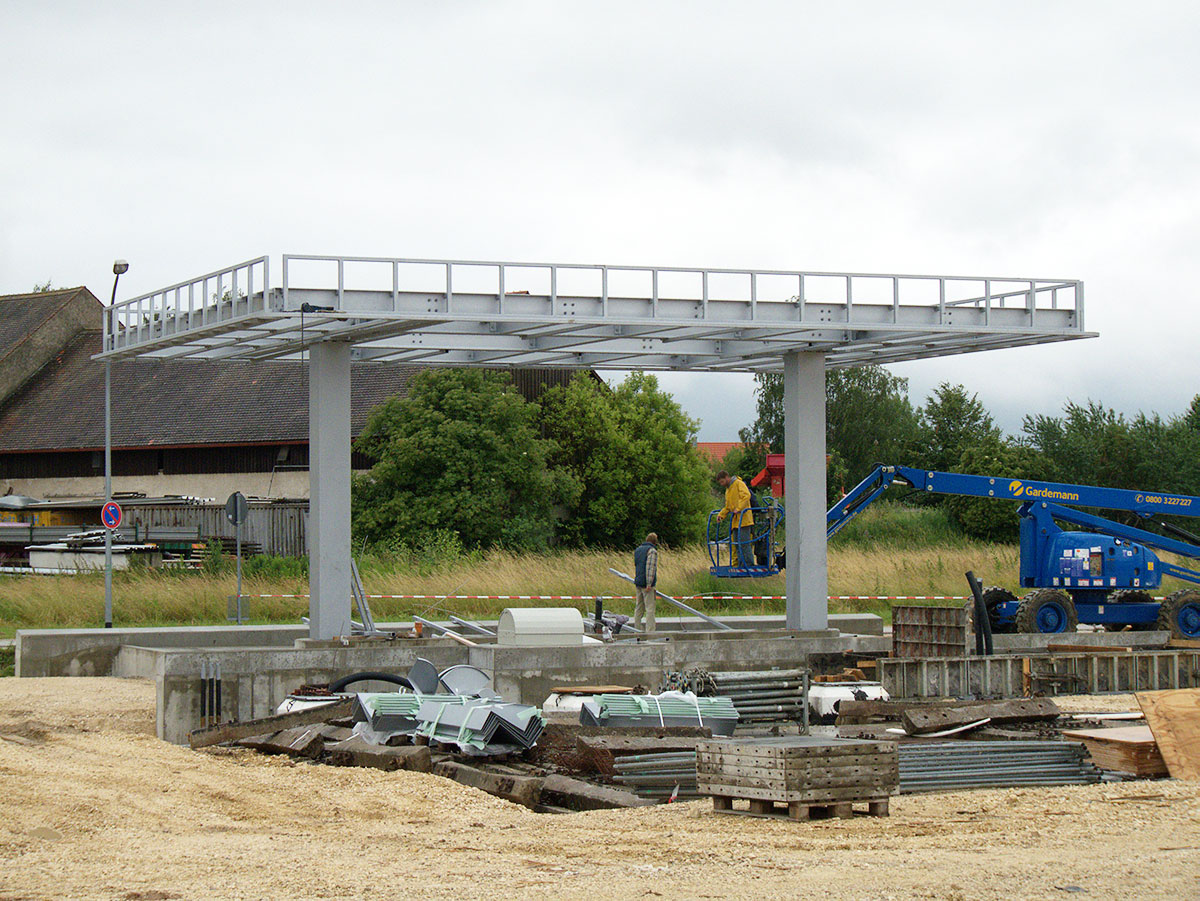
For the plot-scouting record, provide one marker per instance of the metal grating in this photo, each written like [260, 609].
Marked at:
[476, 313]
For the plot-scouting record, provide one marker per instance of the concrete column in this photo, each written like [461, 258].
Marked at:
[329, 489]
[804, 490]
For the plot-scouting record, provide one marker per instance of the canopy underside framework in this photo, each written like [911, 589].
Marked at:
[461, 313]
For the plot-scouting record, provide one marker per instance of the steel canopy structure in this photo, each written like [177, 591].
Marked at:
[334, 309]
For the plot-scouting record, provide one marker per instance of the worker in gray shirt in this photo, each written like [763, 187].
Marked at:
[645, 577]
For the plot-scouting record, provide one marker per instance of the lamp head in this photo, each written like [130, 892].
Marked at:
[120, 267]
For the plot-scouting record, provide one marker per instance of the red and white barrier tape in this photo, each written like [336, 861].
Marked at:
[626, 597]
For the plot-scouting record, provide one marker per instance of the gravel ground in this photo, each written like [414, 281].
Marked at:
[92, 805]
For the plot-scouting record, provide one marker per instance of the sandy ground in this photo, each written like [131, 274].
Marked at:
[92, 805]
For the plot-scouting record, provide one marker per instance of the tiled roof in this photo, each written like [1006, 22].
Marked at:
[716, 450]
[173, 403]
[21, 314]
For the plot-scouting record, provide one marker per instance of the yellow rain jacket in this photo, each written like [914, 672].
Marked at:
[737, 497]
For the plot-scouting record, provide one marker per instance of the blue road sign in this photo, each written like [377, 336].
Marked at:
[110, 514]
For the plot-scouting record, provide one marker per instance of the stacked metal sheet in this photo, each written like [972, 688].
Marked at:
[658, 776]
[946, 766]
[394, 712]
[481, 726]
[924, 767]
[671, 708]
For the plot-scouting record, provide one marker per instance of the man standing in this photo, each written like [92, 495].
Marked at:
[741, 527]
[645, 577]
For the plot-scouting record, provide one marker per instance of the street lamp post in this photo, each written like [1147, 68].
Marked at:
[119, 268]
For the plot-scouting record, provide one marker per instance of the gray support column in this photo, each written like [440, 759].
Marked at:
[329, 489]
[804, 490]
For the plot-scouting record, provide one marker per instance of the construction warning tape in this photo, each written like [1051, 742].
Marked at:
[629, 597]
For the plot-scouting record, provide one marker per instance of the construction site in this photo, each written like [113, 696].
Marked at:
[978, 746]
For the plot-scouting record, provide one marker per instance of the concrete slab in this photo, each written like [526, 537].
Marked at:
[93, 652]
[1013, 644]
[255, 680]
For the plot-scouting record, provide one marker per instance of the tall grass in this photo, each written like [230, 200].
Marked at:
[887, 551]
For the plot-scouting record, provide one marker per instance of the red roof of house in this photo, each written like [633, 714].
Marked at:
[716, 450]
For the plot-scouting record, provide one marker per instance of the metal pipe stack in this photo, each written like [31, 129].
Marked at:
[655, 776]
[947, 766]
[924, 767]
[764, 696]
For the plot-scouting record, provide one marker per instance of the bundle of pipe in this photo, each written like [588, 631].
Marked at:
[924, 767]
[656, 776]
[945, 766]
[764, 696]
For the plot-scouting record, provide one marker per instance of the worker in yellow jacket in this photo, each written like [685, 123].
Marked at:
[741, 526]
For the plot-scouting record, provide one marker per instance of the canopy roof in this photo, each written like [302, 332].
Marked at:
[473, 313]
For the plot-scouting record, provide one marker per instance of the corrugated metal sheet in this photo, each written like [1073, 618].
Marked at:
[280, 528]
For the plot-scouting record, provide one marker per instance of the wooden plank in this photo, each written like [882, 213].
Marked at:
[1174, 719]
[832, 747]
[1127, 749]
[919, 722]
[223, 732]
[806, 764]
[356, 751]
[881, 777]
[1183, 643]
[299, 741]
[594, 690]
[816, 796]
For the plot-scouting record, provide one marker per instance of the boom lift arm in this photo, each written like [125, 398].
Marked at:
[1082, 570]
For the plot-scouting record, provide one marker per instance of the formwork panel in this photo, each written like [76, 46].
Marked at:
[919, 631]
[1017, 676]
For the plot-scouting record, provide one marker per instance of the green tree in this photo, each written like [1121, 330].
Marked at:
[1191, 419]
[985, 518]
[632, 451]
[460, 452]
[868, 420]
[765, 434]
[950, 422]
[42, 288]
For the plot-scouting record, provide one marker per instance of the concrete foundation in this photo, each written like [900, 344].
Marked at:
[255, 680]
[92, 652]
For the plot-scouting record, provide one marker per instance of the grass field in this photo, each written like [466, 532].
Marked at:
[888, 551]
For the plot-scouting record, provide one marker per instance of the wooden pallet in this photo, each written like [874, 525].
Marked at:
[811, 777]
[796, 810]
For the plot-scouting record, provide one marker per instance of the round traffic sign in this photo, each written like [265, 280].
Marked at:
[110, 514]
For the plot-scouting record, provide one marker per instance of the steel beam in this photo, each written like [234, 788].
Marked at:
[804, 490]
[329, 489]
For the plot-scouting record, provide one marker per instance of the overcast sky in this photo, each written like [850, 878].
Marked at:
[1025, 139]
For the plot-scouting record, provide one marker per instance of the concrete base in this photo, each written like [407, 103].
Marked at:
[92, 652]
[255, 681]
[1015, 644]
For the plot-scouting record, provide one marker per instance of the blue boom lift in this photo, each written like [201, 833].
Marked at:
[1099, 575]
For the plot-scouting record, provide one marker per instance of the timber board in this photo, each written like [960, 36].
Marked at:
[1174, 719]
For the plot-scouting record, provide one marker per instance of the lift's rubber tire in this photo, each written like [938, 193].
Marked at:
[993, 595]
[1130, 596]
[1047, 610]
[1180, 614]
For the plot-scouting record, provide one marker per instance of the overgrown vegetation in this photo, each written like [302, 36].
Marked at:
[587, 466]
[890, 550]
